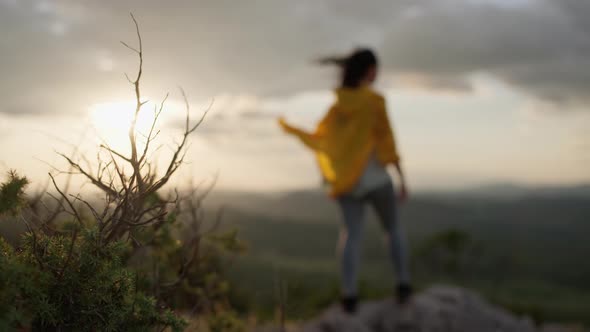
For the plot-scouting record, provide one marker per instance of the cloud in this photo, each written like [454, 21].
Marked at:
[64, 54]
[234, 120]
[540, 48]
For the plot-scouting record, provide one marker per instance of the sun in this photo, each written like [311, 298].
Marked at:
[112, 121]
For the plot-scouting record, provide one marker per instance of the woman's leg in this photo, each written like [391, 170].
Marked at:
[383, 201]
[353, 215]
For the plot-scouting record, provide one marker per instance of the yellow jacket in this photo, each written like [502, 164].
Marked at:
[355, 127]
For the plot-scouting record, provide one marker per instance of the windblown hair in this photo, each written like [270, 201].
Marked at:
[354, 66]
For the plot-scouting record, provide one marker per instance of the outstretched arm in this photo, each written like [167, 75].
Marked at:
[311, 140]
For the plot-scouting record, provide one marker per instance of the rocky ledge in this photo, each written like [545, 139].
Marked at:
[438, 309]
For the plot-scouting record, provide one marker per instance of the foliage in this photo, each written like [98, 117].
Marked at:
[12, 193]
[226, 321]
[72, 279]
[51, 283]
[200, 284]
[449, 252]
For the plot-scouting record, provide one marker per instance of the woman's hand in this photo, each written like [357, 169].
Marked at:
[403, 193]
[284, 125]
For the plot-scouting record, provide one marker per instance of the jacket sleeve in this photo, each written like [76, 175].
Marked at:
[314, 140]
[386, 148]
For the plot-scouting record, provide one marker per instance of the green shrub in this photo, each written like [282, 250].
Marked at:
[12, 193]
[225, 321]
[72, 282]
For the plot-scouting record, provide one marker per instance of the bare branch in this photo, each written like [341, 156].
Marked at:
[128, 79]
[138, 104]
[180, 152]
[157, 113]
[186, 264]
[103, 146]
[70, 252]
[130, 47]
[92, 210]
[190, 130]
[35, 243]
[94, 181]
[74, 210]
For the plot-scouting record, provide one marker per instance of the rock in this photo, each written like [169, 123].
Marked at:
[439, 309]
[560, 328]
[336, 320]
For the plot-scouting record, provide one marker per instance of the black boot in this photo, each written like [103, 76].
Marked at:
[404, 292]
[349, 304]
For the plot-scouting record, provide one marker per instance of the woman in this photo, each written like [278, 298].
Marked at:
[354, 144]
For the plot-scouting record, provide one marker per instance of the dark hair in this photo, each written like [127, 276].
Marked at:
[354, 66]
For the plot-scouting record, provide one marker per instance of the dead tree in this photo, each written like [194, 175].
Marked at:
[132, 187]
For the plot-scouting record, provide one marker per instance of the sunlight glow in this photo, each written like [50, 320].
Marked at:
[112, 121]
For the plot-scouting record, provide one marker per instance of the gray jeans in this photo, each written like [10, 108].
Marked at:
[383, 200]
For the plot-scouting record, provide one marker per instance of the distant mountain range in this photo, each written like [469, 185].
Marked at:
[512, 191]
[315, 206]
[316, 197]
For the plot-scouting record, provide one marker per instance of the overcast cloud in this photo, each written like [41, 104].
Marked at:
[60, 56]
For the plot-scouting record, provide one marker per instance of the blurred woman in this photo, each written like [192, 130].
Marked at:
[354, 144]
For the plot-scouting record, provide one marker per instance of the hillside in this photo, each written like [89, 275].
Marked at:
[522, 249]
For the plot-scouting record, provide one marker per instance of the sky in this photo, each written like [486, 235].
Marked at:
[478, 91]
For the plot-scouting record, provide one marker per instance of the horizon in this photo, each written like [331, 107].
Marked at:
[491, 191]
